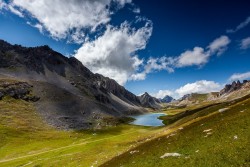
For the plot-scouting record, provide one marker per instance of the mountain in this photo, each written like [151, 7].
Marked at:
[149, 101]
[235, 90]
[233, 87]
[167, 99]
[70, 95]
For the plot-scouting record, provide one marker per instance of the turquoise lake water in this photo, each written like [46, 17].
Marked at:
[148, 119]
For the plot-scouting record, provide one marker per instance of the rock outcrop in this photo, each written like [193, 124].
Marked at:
[17, 90]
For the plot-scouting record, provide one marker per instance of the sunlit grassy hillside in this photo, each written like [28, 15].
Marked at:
[221, 139]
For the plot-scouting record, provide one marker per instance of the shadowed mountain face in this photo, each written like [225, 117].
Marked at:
[149, 101]
[71, 96]
[167, 99]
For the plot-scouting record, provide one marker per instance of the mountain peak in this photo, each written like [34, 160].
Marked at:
[149, 101]
[167, 99]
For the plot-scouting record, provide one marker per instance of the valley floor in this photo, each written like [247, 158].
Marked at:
[204, 138]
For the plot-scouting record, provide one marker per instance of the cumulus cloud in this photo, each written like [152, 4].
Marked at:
[219, 45]
[61, 18]
[245, 43]
[240, 76]
[154, 64]
[197, 56]
[162, 63]
[162, 93]
[240, 26]
[113, 54]
[202, 86]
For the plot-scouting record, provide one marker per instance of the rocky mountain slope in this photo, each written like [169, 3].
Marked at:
[149, 101]
[71, 96]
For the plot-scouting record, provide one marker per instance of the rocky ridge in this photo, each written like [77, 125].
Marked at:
[236, 85]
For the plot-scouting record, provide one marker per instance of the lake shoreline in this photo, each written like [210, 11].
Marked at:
[149, 119]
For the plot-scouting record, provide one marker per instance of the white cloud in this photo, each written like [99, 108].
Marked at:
[37, 25]
[2, 5]
[162, 63]
[202, 86]
[122, 2]
[240, 26]
[11, 8]
[61, 18]
[162, 93]
[219, 45]
[154, 64]
[240, 76]
[114, 53]
[245, 43]
[197, 56]
[137, 10]
[138, 76]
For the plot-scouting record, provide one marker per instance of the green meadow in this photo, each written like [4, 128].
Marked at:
[26, 140]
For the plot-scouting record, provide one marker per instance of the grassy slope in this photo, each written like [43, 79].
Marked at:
[27, 140]
[218, 149]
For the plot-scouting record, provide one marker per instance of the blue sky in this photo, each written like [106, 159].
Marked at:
[162, 47]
